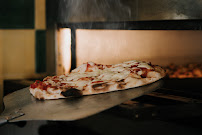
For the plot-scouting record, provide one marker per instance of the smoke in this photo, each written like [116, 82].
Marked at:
[127, 10]
[190, 8]
[93, 10]
[169, 9]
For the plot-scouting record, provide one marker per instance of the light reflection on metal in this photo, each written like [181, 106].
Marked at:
[63, 51]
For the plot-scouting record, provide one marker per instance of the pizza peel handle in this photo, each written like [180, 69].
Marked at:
[6, 117]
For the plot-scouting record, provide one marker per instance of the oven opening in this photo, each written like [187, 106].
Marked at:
[177, 48]
[178, 51]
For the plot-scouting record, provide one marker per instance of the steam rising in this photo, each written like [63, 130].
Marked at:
[93, 10]
[169, 9]
[127, 10]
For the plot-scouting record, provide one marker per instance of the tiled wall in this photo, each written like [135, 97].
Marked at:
[22, 38]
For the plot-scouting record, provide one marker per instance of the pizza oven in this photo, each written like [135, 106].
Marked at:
[169, 36]
[167, 33]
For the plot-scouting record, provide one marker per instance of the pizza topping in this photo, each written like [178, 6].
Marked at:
[134, 70]
[79, 76]
[108, 66]
[88, 68]
[100, 66]
[98, 82]
[78, 84]
[144, 65]
[80, 69]
[120, 76]
[39, 84]
[48, 77]
[133, 66]
[144, 73]
[132, 61]
[54, 77]
[86, 78]
[62, 84]
[56, 81]
[134, 75]
[105, 76]
[33, 86]
[36, 84]
[118, 69]
[62, 76]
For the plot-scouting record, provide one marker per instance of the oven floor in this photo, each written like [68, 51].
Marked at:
[100, 124]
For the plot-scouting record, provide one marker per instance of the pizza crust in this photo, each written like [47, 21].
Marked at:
[43, 94]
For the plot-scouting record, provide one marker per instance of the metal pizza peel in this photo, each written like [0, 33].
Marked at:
[22, 106]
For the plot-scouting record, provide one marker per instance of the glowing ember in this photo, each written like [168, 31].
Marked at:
[184, 71]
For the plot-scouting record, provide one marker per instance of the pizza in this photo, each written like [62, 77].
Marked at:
[91, 78]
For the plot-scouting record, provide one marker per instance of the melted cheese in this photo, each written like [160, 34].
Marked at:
[120, 76]
[118, 69]
[106, 76]
[81, 69]
[145, 65]
[76, 76]
[139, 72]
[132, 62]
[80, 84]
[127, 63]
[116, 72]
